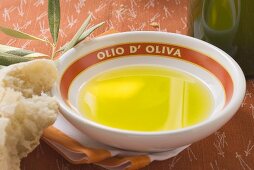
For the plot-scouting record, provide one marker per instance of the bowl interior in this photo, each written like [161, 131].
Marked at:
[208, 79]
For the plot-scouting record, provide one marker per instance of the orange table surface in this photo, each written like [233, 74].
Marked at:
[231, 147]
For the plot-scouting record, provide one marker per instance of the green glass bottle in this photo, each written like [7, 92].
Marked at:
[229, 25]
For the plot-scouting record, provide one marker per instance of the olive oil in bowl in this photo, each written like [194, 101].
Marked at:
[145, 98]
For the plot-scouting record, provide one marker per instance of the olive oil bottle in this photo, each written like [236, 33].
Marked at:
[228, 24]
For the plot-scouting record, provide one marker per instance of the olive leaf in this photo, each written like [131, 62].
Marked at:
[8, 59]
[20, 52]
[82, 37]
[76, 37]
[19, 34]
[88, 32]
[54, 18]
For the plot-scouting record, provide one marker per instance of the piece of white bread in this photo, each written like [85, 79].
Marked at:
[25, 109]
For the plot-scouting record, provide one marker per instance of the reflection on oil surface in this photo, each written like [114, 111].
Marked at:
[145, 98]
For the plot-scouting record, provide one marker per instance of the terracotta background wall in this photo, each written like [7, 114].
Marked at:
[126, 15]
[232, 147]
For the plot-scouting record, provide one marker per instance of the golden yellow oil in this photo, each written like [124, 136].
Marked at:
[145, 98]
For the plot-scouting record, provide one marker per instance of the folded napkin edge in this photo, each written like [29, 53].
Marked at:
[55, 135]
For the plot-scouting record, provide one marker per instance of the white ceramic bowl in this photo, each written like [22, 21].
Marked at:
[217, 70]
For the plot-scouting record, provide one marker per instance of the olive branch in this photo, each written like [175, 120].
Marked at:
[11, 55]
